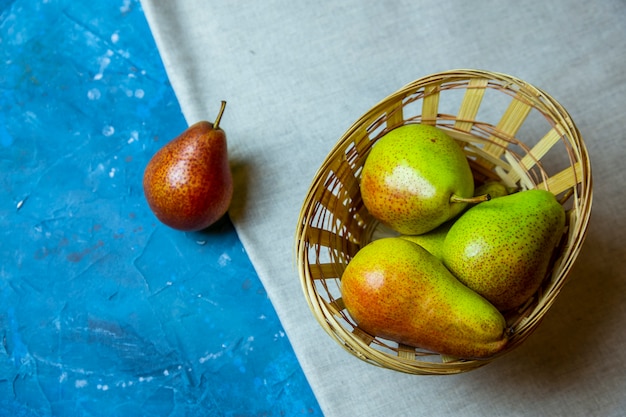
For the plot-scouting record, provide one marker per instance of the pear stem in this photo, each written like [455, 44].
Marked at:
[477, 199]
[216, 125]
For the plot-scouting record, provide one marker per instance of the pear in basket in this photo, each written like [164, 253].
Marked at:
[432, 241]
[502, 248]
[415, 178]
[396, 290]
[493, 188]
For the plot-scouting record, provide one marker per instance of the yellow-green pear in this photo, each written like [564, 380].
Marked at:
[432, 241]
[502, 248]
[494, 188]
[415, 178]
[396, 290]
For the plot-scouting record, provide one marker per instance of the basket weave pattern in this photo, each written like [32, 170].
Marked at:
[509, 130]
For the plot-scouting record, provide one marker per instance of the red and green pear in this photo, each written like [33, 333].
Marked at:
[188, 183]
[396, 290]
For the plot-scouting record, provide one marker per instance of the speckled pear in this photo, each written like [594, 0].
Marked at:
[415, 178]
[395, 289]
[188, 183]
[502, 248]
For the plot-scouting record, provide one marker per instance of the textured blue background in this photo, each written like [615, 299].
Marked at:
[103, 310]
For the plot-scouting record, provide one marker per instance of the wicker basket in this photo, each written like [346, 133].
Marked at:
[509, 130]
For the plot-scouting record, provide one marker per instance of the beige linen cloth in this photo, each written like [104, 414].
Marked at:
[297, 74]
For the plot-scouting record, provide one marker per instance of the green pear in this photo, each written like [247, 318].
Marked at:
[415, 178]
[432, 241]
[396, 290]
[502, 248]
[493, 188]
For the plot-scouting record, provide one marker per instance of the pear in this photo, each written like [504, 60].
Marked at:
[493, 188]
[396, 290]
[188, 183]
[502, 248]
[415, 178]
[432, 241]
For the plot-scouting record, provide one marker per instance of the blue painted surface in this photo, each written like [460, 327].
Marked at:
[103, 310]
